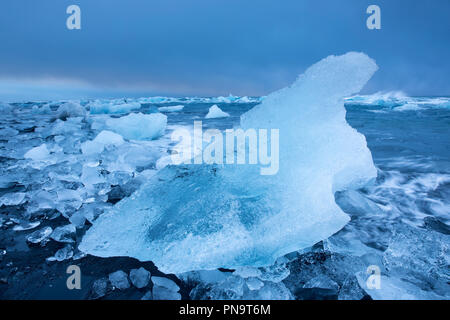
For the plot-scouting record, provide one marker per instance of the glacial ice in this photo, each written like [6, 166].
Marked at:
[98, 107]
[171, 108]
[162, 293]
[216, 112]
[38, 153]
[201, 217]
[40, 235]
[140, 277]
[70, 109]
[12, 199]
[119, 280]
[138, 126]
[103, 139]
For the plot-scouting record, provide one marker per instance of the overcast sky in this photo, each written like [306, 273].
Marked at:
[213, 47]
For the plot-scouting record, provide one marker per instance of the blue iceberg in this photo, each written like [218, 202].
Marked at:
[202, 217]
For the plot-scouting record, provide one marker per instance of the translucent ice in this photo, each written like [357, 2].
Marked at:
[103, 139]
[12, 199]
[216, 112]
[38, 153]
[70, 109]
[40, 235]
[64, 234]
[201, 217]
[138, 126]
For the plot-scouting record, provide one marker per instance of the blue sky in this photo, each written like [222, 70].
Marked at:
[213, 47]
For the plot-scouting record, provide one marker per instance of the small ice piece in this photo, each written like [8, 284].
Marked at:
[247, 272]
[171, 108]
[270, 291]
[275, 273]
[39, 236]
[322, 282]
[12, 199]
[99, 288]
[162, 293]
[70, 109]
[26, 225]
[139, 277]
[119, 279]
[215, 112]
[103, 139]
[254, 283]
[37, 153]
[65, 234]
[64, 254]
[138, 126]
[166, 283]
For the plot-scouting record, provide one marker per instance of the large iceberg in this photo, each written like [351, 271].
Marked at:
[138, 126]
[202, 217]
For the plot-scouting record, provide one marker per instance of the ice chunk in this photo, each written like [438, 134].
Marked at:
[322, 282]
[247, 272]
[216, 112]
[70, 109]
[171, 108]
[26, 225]
[103, 139]
[12, 199]
[119, 279]
[38, 153]
[99, 288]
[254, 283]
[201, 217]
[162, 293]
[111, 108]
[65, 234]
[166, 283]
[138, 126]
[64, 253]
[40, 235]
[139, 277]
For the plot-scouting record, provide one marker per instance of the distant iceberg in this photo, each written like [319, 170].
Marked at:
[99, 107]
[171, 108]
[202, 217]
[215, 112]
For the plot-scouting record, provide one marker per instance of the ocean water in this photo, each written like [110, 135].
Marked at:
[399, 222]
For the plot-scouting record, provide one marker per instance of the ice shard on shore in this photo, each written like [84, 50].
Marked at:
[202, 217]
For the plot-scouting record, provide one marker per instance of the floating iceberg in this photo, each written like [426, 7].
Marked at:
[216, 112]
[111, 108]
[171, 108]
[138, 126]
[70, 109]
[201, 217]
